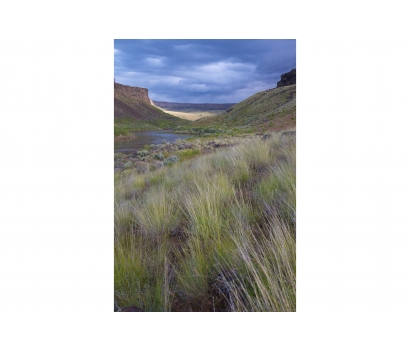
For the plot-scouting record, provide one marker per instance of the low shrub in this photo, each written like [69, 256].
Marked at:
[171, 160]
[118, 155]
[158, 156]
[128, 165]
[143, 153]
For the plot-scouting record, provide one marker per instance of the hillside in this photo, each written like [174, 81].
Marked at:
[133, 111]
[192, 111]
[273, 109]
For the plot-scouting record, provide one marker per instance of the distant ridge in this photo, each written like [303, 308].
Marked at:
[188, 107]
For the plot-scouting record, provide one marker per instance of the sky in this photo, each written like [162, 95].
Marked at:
[202, 71]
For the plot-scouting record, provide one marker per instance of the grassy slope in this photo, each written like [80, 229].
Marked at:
[131, 114]
[215, 233]
[273, 109]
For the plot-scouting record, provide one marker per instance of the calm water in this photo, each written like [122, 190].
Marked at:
[146, 138]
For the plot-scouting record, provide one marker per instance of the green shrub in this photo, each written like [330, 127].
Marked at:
[128, 165]
[143, 153]
[118, 155]
[158, 156]
[170, 160]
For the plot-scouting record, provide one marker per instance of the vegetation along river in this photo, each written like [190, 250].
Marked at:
[143, 138]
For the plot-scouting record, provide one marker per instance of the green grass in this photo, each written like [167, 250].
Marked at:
[213, 233]
[125, 126]
[188, 153]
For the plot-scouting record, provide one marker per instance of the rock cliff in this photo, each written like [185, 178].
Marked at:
[287, 79]
[133, 111]
[138, 93]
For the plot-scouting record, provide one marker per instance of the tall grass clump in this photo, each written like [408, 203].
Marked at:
[268, 265]
[157, 214]
[206, 206]
[258, 154]
[277, 188]
[141, 274]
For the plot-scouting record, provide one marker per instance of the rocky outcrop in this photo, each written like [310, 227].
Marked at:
[287, 79]
[138, 93]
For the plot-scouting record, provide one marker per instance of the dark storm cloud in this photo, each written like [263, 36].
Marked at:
[202, 71]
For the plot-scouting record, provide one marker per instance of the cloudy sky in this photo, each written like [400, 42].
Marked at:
[202, 71]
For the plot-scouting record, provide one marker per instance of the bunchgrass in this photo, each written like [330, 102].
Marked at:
[213, 233]
[157, 214]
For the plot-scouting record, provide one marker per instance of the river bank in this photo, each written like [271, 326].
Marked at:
[138, 139]
[122, 137]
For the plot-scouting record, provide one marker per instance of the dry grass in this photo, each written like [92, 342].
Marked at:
[215, 233]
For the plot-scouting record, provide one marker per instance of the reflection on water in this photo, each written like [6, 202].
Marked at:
[146, 138]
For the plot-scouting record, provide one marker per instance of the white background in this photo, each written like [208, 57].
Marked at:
[56, 186]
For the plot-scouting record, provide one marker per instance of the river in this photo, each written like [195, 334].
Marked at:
[146, 138]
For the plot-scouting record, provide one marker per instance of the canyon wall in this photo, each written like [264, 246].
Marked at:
[135, 92]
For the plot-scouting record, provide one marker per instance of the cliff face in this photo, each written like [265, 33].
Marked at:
[287, 79]
[138, 93]
[133, 111]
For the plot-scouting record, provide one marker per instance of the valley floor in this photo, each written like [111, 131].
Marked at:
[194, 115]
